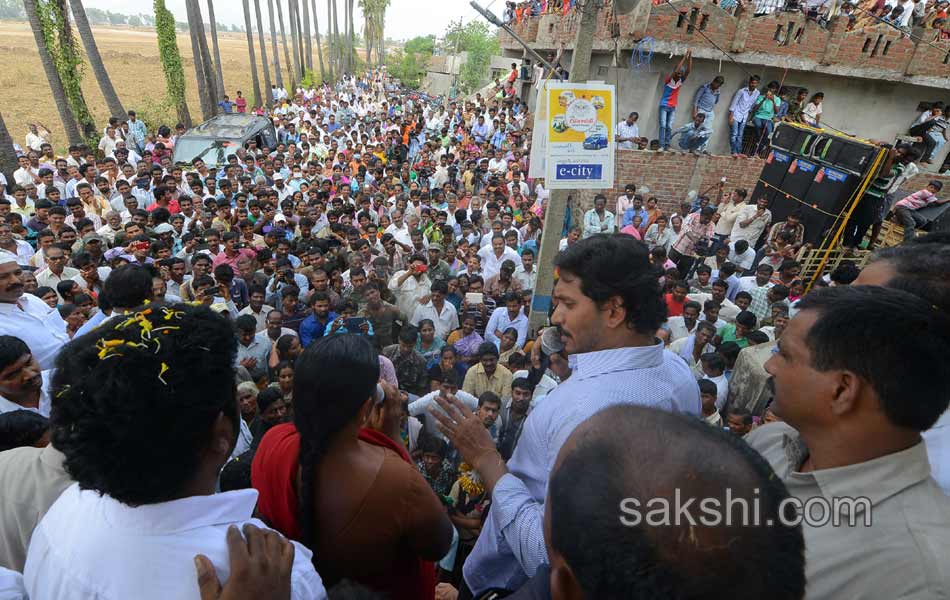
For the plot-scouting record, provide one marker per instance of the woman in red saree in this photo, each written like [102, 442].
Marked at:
[339, 480]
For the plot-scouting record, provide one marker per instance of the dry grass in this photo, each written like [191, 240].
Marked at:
[131, 57]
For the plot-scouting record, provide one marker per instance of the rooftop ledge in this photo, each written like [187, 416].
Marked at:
[867, 49]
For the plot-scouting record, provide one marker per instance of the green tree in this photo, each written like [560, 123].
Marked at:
[55, 34]
[95, 59]
[409, 64]
[481, 43]
[97, 16]
[165, 27]
[57, 88]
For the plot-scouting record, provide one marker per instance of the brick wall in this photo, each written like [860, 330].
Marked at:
[930, 61]
[786, 34]
[671, 175]
[685, 23]
[782, 38]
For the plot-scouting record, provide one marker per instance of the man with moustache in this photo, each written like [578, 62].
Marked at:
[852, 430]
[608, 306]
[27, 317]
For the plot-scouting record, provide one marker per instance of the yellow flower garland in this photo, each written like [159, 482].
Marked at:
[470, 482]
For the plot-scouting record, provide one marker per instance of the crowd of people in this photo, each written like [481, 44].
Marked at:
[330, 339]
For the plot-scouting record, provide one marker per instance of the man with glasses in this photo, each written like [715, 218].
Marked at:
[56, 269]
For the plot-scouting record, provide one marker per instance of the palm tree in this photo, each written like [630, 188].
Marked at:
[337, 50]
[278, 76]
[283, 39]
[379, 19]
[204, 71]
[316, 29]
[95, 60]
[294, 41]
[331, 45]
[250, 50]
[346, 35]
[300, 37]
[306, 33]
[295, 27]
[171, 60]
[73, 135]
[8, 159]
[269, 99]
[351, 33]
[217, 53]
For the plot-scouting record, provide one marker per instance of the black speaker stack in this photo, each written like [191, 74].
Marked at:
[818, 174]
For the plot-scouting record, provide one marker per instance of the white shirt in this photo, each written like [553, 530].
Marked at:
[744, 260]
[627, 131]
[47, 278]
[409, 293]
[107, 145]
[747, 284]
[445, 322]
[42, 408]
[401, 234]
[77, 546]
[527, 279]
[754, 229]
[491, 264]
[260, 317]
[34, 141]
[727, 310]
[500, 320]
[722, 390]
[424, 406]
[543, 387]
[38, 325]
[24, 176]
[103, 275]
[498, 166]
[677, 327]
[11, 585]
[24, 252]
[937, 439]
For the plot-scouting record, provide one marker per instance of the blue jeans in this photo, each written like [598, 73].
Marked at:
[934, 141]
[690, 141]
[735, 135]
[666, 125]
[763, 131]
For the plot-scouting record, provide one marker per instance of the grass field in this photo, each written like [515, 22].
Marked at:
[131, 57]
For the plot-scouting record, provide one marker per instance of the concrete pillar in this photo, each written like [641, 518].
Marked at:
[838, 29]
[744, 21]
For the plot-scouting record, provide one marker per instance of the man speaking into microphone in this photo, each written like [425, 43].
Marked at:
[608, 305]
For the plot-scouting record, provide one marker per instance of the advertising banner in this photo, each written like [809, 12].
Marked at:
[580, 129]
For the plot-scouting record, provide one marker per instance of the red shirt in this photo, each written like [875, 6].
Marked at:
[172, 207]
[673, 308]
[241, 104]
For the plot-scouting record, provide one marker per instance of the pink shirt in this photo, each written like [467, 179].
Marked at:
[919, 200]
[631, 230]
[223, 259]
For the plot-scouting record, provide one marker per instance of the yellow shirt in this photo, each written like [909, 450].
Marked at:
[477, 382]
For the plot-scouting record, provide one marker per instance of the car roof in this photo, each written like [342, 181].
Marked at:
[232, 126]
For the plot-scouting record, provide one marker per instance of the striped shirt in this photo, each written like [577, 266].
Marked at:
[511, 547]
[671, 92]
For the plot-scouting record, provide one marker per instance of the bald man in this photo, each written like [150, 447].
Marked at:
[604, 541]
